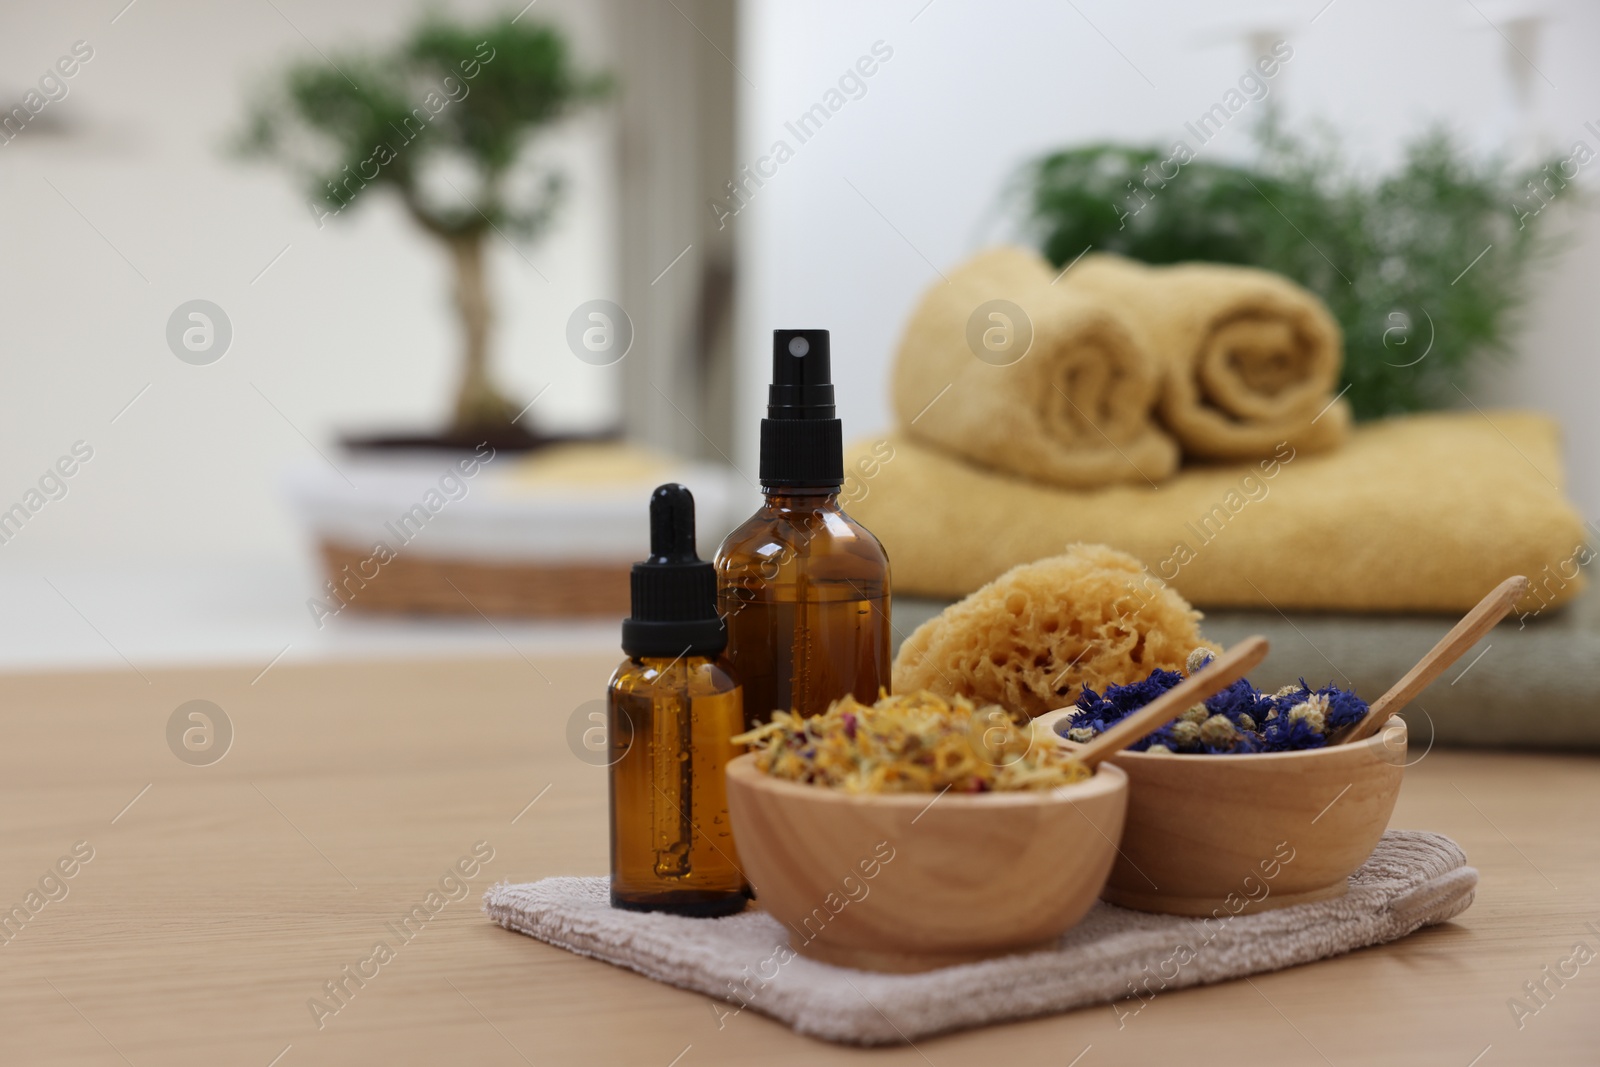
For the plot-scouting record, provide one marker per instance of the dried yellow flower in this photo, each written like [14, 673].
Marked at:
[910, 743]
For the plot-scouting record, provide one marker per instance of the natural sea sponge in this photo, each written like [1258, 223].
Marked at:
[1034, 637]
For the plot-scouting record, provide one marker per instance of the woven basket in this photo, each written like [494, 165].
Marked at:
[415, 585]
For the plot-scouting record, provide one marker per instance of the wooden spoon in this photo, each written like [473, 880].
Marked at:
[1209, 680]
[1466, 633]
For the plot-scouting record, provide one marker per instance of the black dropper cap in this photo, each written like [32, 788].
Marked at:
[801, 441]
[674, 591]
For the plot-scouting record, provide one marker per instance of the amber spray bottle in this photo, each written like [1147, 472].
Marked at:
[804, 588]
[672, 711]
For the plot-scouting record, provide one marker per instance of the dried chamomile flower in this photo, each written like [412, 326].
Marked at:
[1313, 702]
[1312, 711]
[1186, 734]
[1197, 714]
[1335, 709]
[1219, 732]
[1080, 734]
[1197, 659]
[1246, 722]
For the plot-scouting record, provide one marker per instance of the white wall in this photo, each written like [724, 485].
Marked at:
[973, 90]
[350, 329]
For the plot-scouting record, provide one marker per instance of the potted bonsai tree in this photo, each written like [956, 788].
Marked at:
[470, 97]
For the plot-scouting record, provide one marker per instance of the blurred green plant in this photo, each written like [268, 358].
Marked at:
[444, 119]
[1399, 259]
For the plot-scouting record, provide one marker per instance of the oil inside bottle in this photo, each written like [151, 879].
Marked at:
[804, 590]
[799, 650]
[672, 712]
[671, 843]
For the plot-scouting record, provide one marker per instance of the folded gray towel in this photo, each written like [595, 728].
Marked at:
[1413, 879]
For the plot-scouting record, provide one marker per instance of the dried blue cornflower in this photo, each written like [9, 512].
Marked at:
[1292, 735]
[1239, 719]
[1098, 713]
[1306, 717]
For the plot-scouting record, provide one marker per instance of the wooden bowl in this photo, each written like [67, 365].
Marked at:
[1223, 835]
[910, 882]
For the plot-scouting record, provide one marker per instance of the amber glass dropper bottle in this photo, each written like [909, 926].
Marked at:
[672, 711]
[804, 588]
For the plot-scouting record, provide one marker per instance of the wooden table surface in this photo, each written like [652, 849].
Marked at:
[221, 898]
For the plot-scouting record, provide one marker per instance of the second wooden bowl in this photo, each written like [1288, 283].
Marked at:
[913, 881]
[1224, 835]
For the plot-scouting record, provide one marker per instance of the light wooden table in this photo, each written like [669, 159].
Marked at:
[220, 899]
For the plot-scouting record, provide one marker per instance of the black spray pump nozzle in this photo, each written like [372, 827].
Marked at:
[801, 439]
[674, 591]
[802, 376]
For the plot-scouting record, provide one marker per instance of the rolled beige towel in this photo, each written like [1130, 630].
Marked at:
[1252, 359]
[1061, 393]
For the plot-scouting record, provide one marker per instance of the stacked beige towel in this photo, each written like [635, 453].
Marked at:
[1251, 359]
[1037, 409]
[1003, 368]
[1100, 375]
[1420, 513]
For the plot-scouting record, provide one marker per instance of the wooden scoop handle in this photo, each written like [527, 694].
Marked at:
[1207, 681]
[1466, 633]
